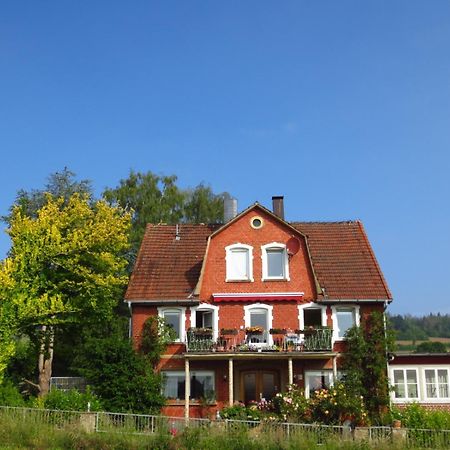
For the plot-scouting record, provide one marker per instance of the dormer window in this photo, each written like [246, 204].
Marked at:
[239, 262]
[275, 262]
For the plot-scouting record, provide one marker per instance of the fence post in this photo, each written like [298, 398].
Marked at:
[88, 422]
[398, 435]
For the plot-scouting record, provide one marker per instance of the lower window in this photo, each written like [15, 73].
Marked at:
[405, 383]
[318, 379]
[202, 385]
[436, 382]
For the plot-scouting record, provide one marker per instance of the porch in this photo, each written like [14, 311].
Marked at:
[250, 376]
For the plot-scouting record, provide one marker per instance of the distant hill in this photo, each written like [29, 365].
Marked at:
[412, 328]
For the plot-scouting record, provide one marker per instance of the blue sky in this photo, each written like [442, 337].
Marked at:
[342, 107]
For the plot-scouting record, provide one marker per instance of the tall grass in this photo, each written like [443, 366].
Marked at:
[26, 434]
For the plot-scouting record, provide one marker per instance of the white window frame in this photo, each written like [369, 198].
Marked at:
[215, 316]
[317, 373]
[419, 382]
[247, 313]
[311, 305]
[228, 251]
[182, 311]
[334, 310]
[265, 266]
[438, 398]
[182, 375]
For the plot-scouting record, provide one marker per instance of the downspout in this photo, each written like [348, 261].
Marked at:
[130, 323]
[386, 352]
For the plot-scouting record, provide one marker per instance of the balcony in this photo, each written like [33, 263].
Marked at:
[252, 341]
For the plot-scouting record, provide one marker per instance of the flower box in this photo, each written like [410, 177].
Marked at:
[229, 331]
[254, 330]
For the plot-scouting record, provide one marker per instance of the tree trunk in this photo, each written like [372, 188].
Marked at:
[45, 359]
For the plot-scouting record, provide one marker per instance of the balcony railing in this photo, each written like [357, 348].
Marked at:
[311, 340]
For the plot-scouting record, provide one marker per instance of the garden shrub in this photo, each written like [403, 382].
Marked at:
[416, 416]
[72, 400]
[10, 395]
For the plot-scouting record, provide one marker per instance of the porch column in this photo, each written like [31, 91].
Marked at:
[334, 369]
[230, 381]
[290, 372]
[187, 388]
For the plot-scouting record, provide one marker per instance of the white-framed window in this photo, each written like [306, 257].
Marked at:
[344, 317]
[175, 318]
[316, 380]
[405, 382]
[206, 316]
[202, 385]
[239, 262]
[312, 315]
[275, 262]
[436, 383]
[259, 315]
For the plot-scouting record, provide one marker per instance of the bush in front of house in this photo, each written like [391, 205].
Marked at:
[10, 395]
[72, 400]
[416, 416]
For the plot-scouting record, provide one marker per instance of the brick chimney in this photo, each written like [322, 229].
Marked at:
[278, 206]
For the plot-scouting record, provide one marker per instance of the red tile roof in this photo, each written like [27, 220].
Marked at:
[166, 267]
[342, 258]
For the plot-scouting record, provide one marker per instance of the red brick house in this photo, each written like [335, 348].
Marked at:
[257, 303]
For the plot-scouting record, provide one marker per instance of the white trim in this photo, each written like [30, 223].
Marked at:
[269, 308]
[334, 309]
[311, 305]
[228, 251]
[275, 245]
[207, 307]
[182, 311]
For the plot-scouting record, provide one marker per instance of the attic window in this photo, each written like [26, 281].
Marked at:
[256, 222]
[275, 262]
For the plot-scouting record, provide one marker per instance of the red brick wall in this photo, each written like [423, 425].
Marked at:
[301, 277]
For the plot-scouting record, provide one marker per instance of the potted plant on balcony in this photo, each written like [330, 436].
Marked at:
[207, 332]
[278, 331]
[254, 330]
[229, 331]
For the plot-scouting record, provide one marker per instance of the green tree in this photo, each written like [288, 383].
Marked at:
[365, 363]
[120, 376]
[431, 347]
[65, 266]
[157, 199]
[59, 184]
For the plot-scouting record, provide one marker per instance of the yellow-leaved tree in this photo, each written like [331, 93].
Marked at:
[66, 265]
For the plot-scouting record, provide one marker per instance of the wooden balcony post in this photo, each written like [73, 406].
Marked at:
[230, 381]
[290, 372]
[187, 387]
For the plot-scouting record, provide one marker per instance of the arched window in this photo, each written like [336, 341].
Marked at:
[239, 262]
[206, 316]
[259, 315]
[275, 262]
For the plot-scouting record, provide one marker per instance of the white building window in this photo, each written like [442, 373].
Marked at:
[312, 315]
[202, 385]
[344, 317]
[259, 315]
[239, 262]
[275, 262]
[174, 318]
[405, 384]
[436, 384]
[316, 380]
[206, 316]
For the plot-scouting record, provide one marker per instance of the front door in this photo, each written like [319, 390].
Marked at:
[259, 384]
